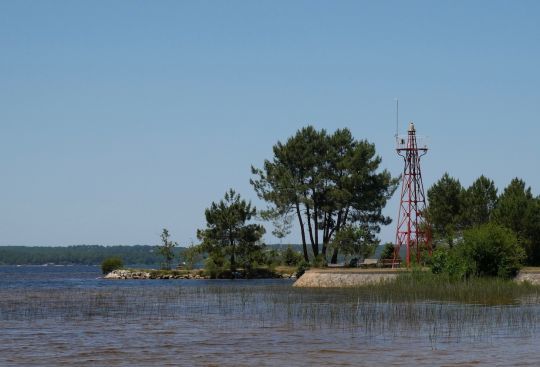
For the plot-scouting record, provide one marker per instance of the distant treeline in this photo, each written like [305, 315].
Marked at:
[89, 254]
[82, 254]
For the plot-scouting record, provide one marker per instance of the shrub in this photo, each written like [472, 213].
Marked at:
[269, 257]
[439, 260]
[458, 267]
[490, 250]
[302, 267]
[388, 251]
[319, 261]
[213, 267]
[110, 264]
[291, 257]
[192, 255]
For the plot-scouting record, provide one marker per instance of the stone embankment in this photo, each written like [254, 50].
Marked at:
[528, 275]
[141, 274]
[339, 278]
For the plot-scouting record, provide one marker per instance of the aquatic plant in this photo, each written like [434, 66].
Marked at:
[416, 304]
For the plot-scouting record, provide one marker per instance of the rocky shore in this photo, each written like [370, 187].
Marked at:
[531, 276]
[142, 274]
[123, 274]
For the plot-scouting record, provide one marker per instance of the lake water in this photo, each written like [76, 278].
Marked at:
[64, 316]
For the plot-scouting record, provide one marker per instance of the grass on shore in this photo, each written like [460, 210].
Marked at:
[417, 286]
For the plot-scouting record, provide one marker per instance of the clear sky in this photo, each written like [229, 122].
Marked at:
[119, 118]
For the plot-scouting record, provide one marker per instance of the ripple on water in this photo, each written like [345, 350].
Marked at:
[247, 324]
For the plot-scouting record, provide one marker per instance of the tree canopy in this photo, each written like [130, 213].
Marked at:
[228, 231]
[453, 210]
[518, 210]
[478, 202]
[328, 181]
[444, 212]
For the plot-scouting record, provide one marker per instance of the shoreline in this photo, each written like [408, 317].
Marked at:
[312, 278]
[347, 278]
[197, 274]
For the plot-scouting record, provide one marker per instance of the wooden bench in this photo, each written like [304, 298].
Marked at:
[369, 263]
[390, 263]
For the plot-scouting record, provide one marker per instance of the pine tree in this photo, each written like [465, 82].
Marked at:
[327, 182]
[228, 231]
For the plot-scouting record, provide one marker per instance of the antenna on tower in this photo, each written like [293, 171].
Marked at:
[397, 116]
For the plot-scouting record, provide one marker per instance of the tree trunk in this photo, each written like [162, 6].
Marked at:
[316, 224]
[314, 246]
[233, 260]
[326, 229]
[334, 256]
[302, 231]
[340, 223]
[337, 226]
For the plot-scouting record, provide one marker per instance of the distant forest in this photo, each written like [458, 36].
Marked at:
[95, 254]
[82, 254]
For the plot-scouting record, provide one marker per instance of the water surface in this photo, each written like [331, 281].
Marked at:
[64, 316]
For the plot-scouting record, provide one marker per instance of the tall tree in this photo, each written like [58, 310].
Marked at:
[444, 212]
[513, 207]
[228, 230]
[328, 182]
[479, 200]
[518, 210]
[166, 249]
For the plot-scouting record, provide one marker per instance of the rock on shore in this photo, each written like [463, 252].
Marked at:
[175, 274]
[141, 274]
[528, 276]
[127, 274]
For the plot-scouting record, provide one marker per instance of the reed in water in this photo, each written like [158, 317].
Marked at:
[433, 306]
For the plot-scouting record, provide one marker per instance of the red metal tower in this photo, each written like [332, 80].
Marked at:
[412, 229]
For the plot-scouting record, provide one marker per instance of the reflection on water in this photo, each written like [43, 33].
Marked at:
[76, 319]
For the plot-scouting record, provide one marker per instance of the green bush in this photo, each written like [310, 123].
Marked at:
[458, 266]
[269, 257]
[302, 267]
[388, 251]
[319, 261]
[290, 257]
[192, 255]
[488, 250]
[491, 250]
[439, 260]
[213, 267]
[110, 264]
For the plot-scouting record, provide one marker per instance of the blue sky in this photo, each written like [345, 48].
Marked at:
[120, 118]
